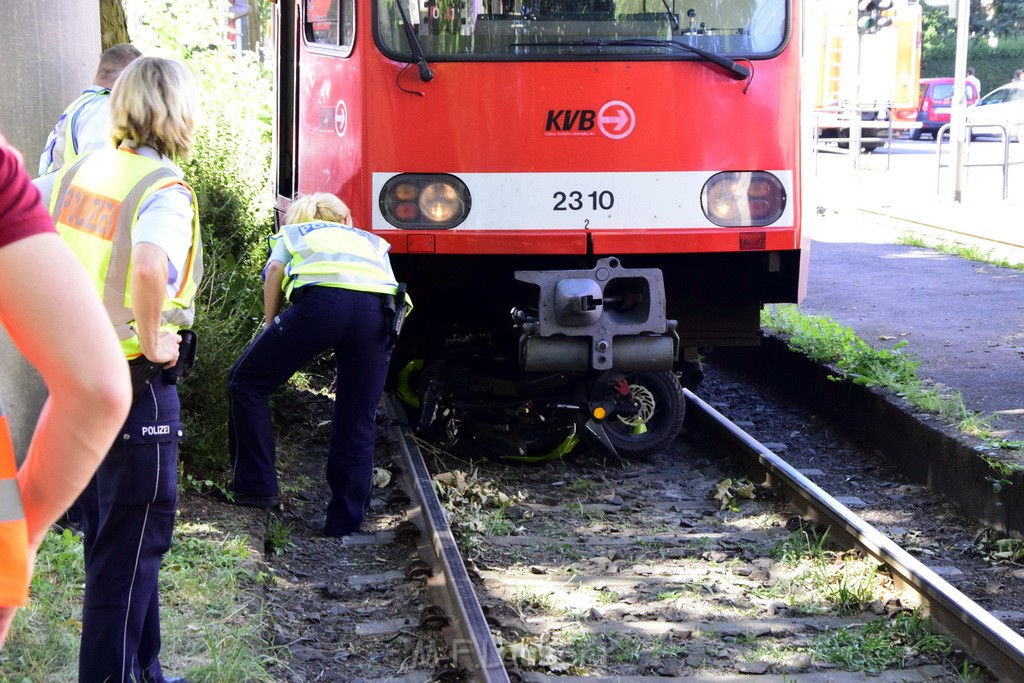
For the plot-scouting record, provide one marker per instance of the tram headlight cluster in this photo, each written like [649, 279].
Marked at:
[425, 201]
[743, 198]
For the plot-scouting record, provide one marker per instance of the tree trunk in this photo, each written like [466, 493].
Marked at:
[113, 23]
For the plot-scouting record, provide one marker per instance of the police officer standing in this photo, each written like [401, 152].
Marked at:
[338, 279]
[85, 124]
[132, 221]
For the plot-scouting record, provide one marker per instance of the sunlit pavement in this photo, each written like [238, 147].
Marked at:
[906, 191]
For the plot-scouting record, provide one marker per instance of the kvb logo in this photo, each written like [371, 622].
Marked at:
[340, 118]
[615, 120]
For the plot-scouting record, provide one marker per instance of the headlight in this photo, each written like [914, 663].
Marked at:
[743, 199]
[425, 202]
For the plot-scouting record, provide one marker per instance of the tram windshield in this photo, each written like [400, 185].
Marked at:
[557, 29]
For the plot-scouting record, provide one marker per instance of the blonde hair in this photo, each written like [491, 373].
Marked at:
[322, 206]
[153, 104]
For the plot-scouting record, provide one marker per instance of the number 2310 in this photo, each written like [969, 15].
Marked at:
[577, 201]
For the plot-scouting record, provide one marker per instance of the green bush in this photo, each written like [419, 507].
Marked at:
[993, 66]
[230, 172]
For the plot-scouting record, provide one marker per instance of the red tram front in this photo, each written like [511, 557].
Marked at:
[621, 175]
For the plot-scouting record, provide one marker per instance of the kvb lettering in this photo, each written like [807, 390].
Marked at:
[570, 119]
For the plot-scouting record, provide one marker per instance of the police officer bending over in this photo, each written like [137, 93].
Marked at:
[338, 279]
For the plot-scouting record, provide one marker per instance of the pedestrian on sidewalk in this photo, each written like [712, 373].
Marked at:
[971, 78]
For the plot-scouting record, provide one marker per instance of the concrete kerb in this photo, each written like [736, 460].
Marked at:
[919, 445]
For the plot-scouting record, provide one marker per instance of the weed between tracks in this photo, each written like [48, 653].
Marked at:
[580, 607]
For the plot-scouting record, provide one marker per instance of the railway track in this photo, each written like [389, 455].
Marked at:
[473, 647]
[576, 569]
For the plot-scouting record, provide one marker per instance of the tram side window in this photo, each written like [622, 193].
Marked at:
[330, 23]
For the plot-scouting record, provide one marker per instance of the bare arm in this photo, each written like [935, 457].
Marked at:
[273, 296]
[149, 285]
[62, 329]
[57, 322]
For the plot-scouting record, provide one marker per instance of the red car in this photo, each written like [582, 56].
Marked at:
[936, 102]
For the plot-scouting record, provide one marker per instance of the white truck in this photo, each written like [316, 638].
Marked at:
[868, 69]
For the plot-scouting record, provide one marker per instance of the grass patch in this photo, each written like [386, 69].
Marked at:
[823, 581]
[882, 644]
[206, 572]
[587, 650]
[971, 253]
[825, 341]
[582, 486]
[43, 642]
[278, 540]
[527, 599]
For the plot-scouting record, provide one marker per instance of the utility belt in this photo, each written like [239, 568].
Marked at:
[143, 371]
[396, 307]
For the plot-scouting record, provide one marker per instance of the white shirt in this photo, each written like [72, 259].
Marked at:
[165, 220]
[91, 130]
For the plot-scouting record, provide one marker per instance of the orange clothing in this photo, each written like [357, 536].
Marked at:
[14, 578]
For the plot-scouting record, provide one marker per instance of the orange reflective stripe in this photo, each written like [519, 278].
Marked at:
[14, 578]
[8, 466]
[13, 531]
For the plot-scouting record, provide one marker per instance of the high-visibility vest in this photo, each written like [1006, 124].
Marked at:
[336, 255]
[95, 205]
[14, 577]
[54, 157]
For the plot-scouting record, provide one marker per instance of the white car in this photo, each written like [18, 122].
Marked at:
[1004, 106]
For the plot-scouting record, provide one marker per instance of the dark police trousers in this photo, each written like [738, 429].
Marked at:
[350, 323]
[128, 517]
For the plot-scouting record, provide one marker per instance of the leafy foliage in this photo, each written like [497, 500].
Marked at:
[230, 172]
[995, 46]
[824, 340]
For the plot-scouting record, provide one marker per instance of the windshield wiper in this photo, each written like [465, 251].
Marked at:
[734, 68]
[414, 43]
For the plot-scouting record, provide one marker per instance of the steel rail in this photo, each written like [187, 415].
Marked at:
[472, 645]
[986, 637]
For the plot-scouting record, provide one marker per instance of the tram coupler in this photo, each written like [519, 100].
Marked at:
[605, 318]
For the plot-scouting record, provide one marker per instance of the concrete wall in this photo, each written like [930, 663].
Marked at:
[48, 55]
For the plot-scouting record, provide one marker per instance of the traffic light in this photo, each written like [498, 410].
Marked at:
[869, 15]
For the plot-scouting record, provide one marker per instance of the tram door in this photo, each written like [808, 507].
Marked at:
[286, 141]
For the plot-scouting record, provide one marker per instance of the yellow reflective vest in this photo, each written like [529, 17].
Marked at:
[95, 205]
[335, 255]
[14, 577]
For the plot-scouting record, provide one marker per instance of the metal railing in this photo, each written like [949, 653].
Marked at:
[851, 120]
[1005, 163]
